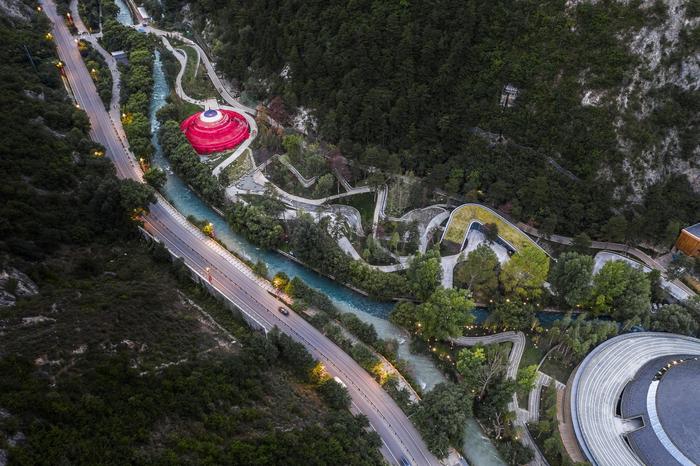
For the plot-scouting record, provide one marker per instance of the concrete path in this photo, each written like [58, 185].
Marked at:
[428, 229]
[474, 239]
[260, 179]
[223, 90]
[379, 207]
[348, 248]
[181, 57]
[678, 292]
[642, 256]
[244, 145]
[427, 219]
[516, 354]
[448, 264]
[305, 182]
[533, 402]
[342, 180]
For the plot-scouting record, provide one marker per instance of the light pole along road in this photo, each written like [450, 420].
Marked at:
[228, 276]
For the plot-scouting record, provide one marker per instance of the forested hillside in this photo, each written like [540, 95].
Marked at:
[109, 353]
[607, 103]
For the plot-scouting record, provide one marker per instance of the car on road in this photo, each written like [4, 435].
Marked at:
[404, 461]
[339, 381]
[284, 311]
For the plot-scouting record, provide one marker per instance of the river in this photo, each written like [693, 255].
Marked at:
[124, 15]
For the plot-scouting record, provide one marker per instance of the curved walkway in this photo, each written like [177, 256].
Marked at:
[598, 383]
[673, 289]
[533, 402]
[305, 182]
[181, 57]
[342, 180]
[514, 357]
[379, 207]
[642, 256]
[516, 353]
[218, 84]
[477, 213]
[260, 181]
[242, 148]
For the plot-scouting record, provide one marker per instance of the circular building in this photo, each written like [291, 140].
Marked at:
[215, 130]
[635, 400]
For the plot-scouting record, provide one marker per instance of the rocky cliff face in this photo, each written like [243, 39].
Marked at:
[14, 284]
[658, 121]
[15, 10]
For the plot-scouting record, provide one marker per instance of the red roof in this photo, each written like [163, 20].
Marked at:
[215, 130]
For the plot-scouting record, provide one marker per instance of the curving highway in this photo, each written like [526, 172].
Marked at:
[598, 384]
[231, 278]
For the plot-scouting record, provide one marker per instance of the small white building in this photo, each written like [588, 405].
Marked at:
[121, 57]
[144, 17]
[508, 95]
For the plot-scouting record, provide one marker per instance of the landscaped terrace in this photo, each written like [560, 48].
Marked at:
[464, 215]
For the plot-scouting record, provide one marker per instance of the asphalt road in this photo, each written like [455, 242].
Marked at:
[232, 278]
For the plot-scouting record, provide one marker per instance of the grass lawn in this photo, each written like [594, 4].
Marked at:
[364, 203]
[555, 368]
[239, 167]
[531, 355]
[398, 199]
[280, 175]
[199, 86]
[456, 228]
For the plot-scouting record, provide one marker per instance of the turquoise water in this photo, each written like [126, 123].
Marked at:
[124, 15]
[478, 447]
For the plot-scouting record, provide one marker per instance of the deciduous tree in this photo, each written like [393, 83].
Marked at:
[571, 278]
[445, 314]
[424, 273]
[441, 417]
[525, 272]
[479, 273]
[621, 291]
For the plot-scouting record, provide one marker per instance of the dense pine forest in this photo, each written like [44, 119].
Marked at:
[417, 86]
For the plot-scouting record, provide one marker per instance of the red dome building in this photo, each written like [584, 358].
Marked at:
[215, 130]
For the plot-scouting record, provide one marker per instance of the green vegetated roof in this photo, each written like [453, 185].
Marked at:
[463, 216]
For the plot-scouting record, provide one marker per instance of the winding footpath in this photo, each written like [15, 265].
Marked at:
[516, 353]
[623, 248]
[305, 182]
[231, 101]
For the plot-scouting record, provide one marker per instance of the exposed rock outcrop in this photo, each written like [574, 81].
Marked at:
[14, 284]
